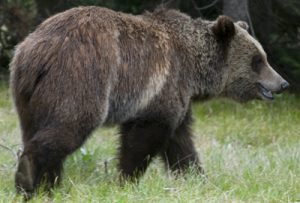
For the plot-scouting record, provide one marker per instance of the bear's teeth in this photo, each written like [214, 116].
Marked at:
[267, 94]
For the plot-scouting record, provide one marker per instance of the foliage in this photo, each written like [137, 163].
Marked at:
[16, 20]
[250, 153]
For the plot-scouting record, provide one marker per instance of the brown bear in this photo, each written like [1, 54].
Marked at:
[91, 66]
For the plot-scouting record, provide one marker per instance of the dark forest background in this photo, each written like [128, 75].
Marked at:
[276, 23]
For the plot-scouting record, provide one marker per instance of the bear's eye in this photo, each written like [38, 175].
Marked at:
[257, 63]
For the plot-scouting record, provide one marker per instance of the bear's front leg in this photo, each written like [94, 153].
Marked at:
[180, 154]
[141, 140]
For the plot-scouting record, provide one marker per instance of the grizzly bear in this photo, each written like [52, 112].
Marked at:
[91, 66]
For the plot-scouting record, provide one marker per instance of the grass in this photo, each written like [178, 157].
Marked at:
[251, 153]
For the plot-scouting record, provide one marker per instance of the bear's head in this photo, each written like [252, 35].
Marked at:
[249, 75]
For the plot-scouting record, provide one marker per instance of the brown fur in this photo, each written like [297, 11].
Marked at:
[91, 66]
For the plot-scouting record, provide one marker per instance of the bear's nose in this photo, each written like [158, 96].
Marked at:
[284, 85]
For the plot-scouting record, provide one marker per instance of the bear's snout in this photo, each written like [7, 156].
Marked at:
[271, 82]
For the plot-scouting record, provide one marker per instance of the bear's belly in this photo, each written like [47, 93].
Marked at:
[122, 110]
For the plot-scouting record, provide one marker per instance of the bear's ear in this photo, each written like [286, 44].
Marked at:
[224, 28]
[243, 24]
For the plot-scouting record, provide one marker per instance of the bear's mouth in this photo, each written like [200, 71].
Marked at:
[265, 93]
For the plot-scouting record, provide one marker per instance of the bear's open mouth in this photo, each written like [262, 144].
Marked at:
[264, 92]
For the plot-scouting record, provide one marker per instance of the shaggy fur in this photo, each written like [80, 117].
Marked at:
[91, 66]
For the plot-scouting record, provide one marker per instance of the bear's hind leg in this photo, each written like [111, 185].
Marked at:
[140, 142]
[43, 157]
[180, 154]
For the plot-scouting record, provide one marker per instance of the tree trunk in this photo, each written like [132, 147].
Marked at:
[236, 9]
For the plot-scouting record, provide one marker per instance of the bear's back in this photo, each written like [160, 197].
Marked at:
[90, 51]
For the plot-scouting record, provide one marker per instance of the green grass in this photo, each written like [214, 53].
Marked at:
[251, 153]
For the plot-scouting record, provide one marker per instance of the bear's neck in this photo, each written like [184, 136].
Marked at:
[203, 68]
[197, 57]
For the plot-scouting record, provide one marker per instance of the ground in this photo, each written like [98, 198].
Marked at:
[251, 153]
